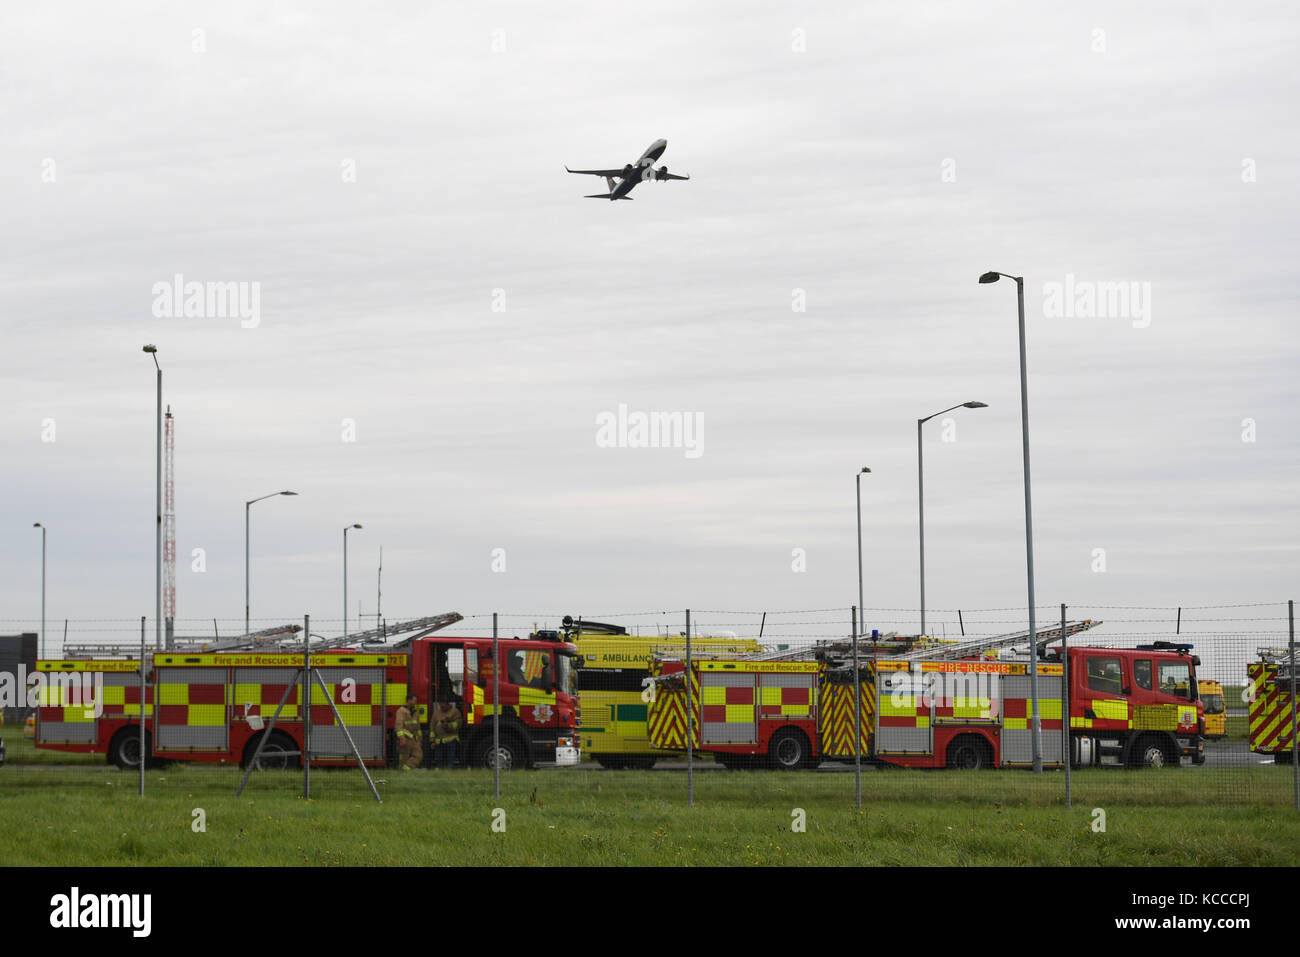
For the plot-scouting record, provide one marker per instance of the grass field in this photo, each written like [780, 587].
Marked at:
[594, 818]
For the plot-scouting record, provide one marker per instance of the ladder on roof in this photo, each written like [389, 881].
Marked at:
[978, 646]
[1281, 657]
[420, 627]
[186, 644]
[266, 638]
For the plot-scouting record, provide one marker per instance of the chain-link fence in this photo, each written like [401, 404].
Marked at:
[1189, 706]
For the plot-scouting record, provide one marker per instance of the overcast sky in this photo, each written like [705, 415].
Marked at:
[432, 284]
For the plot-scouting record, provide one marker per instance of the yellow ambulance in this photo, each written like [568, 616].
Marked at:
[612, 697]
[1216, 715]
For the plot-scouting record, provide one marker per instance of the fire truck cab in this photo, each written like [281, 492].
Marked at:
[538, 709]
[1138, 707]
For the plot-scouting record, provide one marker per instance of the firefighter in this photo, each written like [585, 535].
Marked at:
[407, 724]
[444, 729]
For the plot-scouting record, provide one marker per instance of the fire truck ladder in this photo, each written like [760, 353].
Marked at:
[1281, 657]
[977, 646]
[266, 638]
[420, 627]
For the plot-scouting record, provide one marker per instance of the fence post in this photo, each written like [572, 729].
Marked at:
[1065, 705]
[857, 715]
[306, 707]
[142, 697]
[690, 710]
[1295, 745]
[496, 709]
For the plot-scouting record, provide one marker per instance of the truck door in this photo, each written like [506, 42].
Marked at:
[532, 671]
[453, 675]
[1104, 695]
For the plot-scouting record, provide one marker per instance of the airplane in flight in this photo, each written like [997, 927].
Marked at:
[632, 173]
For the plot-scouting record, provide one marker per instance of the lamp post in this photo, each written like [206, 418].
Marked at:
[920, 489]
[1036, 732]
[247, 509]
[857, 485]
[157, 571]
[41, 643]
[346, 529]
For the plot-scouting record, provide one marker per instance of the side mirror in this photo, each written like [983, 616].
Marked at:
[1126, 691]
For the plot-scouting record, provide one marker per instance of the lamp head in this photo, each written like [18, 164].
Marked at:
[975, 405]
[37, 525]
[990, 277]
[356, 526]
[150, 349]
[865, 469]
[288, 493]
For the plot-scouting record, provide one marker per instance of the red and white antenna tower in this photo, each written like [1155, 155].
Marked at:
[169, 518]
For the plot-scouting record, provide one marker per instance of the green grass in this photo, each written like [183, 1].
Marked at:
[598, 818]
[20, 750]
[1232, 698]
[1238, 727]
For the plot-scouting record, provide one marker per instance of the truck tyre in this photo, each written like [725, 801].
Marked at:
[609, 762]
[1283, 757]
[124, 749]
[1151, 751]
[969, 752]
[789, 750]
[512, 756]
[275, 756]
[642, 762]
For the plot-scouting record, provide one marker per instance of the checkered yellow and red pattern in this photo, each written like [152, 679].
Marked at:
[721, 705]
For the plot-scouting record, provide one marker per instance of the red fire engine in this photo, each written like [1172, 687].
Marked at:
[217, 705]
[954, 706]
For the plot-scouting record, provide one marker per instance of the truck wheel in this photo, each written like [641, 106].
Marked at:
[642, 763]
[511, 755]
[1151, 752]
[969, 753]
[124, 750]
[788, 750]
[275, 756]
[1283, 757]
[609, 763]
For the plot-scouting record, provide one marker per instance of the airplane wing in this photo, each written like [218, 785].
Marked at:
[671, 176]
[597, 172]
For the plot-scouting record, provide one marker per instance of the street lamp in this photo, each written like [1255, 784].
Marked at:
[920, 490]
[346, 529]
[247, 507]
[157, 571]
[1036, 732]
[41, 643]
[857, 485]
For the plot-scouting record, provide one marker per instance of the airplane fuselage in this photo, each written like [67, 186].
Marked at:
[643, 168]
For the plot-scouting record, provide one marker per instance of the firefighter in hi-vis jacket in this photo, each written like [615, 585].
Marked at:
[407, 724]
[444, 729]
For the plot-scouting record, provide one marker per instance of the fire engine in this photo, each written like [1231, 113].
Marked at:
[217, 702]
[965, 705]
[1272, 706]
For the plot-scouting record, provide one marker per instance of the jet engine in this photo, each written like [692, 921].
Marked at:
[661, 173]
